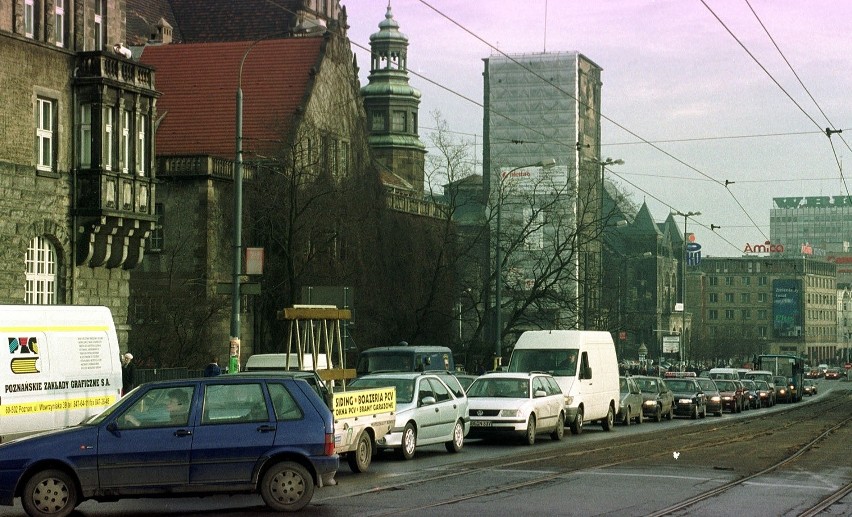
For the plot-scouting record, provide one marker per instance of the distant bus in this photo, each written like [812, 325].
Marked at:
[790, 366]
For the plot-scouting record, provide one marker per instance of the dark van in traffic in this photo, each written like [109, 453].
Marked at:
[405, 358]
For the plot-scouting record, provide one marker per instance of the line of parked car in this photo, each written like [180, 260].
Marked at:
[713, 392]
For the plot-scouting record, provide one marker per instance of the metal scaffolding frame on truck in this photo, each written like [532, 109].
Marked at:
[316, 330]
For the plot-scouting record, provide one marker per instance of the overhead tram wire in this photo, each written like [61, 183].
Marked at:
[834, 152]
[592, 108]
[620, 176]
[790, 66]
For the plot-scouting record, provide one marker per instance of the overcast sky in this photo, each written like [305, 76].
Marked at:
[686, 102]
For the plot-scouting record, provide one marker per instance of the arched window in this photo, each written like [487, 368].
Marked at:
[41, 272]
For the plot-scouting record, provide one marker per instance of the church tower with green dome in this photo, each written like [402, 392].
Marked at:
[392, 105]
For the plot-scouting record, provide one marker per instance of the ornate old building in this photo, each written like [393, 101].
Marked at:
[76, 155]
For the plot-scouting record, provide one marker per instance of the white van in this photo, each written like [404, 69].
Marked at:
[272, 362]
[731, 374]
[589, 382]
[59, 364]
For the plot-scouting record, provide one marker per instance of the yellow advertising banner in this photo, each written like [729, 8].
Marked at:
[28, 408]
[364, 402]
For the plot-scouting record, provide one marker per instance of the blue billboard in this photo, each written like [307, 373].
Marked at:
[787, 308]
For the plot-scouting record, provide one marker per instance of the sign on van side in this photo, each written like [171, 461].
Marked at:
[364, 402]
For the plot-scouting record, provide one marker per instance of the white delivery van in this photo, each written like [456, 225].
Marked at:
[59, 364]
[585, 366]
[273, 362]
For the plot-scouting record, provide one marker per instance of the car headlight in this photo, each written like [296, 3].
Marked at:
[509, 412]
[650, 403]
[716, 398]
[684, 401]
[727, 397]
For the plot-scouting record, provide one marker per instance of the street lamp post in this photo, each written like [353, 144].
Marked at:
[234, 342]
[603, 164]
[498, 259]
[686, 217]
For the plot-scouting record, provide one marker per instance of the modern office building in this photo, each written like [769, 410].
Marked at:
[746, 306]
[543, 109]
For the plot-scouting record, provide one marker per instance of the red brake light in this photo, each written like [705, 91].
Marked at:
[329, 444]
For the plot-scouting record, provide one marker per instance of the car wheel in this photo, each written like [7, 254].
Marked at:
[559, 432]
[359, 459]
[608, 423]
[409, 442]
[577, 424]
[695, 412]
[658, 414]
[456, 444]
[627, 417]
[287, 487]
[530, 436]
[704, 412]
[49, 493]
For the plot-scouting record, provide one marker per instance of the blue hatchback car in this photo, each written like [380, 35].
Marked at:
[218, 435]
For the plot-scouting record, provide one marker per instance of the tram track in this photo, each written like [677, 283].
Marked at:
[703, 440]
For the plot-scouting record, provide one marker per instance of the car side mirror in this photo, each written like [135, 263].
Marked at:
[539, 393]
[427, 401]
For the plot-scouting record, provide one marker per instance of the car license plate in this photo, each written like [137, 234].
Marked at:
[480, 423]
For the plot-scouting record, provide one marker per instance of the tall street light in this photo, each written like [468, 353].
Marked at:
[234, 342]
[498, 259]
[686, 217]
[603, 164]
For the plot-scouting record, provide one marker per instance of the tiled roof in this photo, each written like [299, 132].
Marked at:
[143, 17]
[198, 83]
[199, 21]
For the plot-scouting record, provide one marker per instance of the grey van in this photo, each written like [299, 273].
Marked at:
[405, 358]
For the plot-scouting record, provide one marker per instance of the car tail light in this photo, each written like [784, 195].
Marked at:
[329, 444]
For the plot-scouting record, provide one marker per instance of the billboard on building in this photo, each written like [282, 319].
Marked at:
[787, 308]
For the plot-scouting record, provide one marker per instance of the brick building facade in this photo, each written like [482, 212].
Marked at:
[76, 156]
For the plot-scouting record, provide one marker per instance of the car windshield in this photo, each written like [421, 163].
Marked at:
[724, 385]
[648, 385]
[681, 386]
[561, 362]
[504, 388]
[404, 387]
[707, 385]
[761, 385]
[386, 362]
[622, 384]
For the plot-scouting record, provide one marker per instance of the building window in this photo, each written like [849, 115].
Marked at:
[762, 281]
[746, 314]
[714, 297]
[142, 136]
[86, 135]
[729, 297]
[343, 160]
[29, 18]
[746, 280]
[109, 137]
[125, 142]
[714, 280]
[41, 273]
[762, 332]
[377, 121]
[762, 297]
[100, 11]
[729, 280]
[155, 240]
[398, 121]
[762, 314]
[59, 11]
[713, 314]
[745, 297]
[45, 127]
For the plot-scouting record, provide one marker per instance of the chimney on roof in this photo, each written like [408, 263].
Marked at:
[163, 36]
